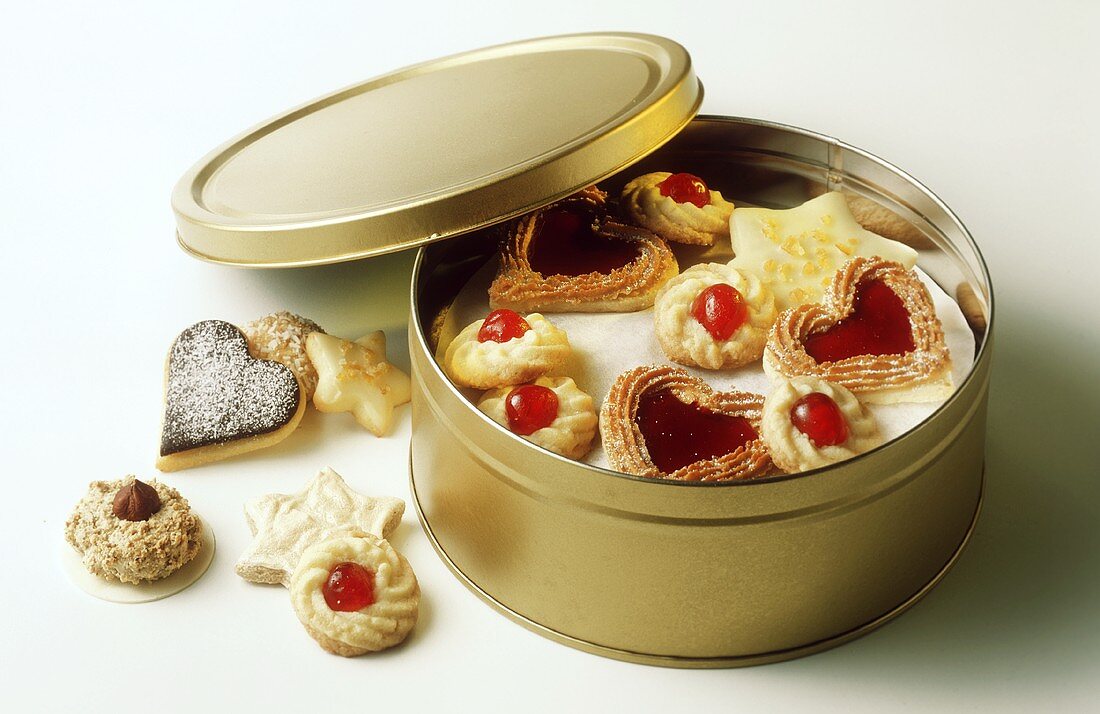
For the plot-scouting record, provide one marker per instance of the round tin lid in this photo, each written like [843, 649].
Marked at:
[434, 150]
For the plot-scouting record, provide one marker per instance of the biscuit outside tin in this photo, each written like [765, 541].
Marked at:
[677, 574]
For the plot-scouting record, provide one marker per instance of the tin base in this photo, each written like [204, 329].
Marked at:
[693, 662]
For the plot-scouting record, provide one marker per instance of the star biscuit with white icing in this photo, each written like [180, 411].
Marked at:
[797, 251]
[355, 377]
[284, 525]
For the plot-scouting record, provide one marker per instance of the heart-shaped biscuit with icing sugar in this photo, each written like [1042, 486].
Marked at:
[661, 422]
[876, 333]
[571, 256]
[219, 401]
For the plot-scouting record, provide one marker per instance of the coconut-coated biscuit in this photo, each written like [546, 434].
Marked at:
[570, 434]
[643, 203]
[790, 449]
[382, 624]
[685, 340]
[281, 337]
[483, 365]
[133, 551]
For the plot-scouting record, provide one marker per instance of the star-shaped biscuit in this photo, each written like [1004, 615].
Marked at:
[283, 526]
[797, 251]
[355, 377]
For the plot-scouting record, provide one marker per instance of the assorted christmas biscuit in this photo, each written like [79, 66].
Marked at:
[551, 412]
[220, 401]
[355, 377]
[677, 207]
[505, 348]
[575, 256]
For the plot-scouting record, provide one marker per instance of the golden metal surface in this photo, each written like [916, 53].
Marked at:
[706, 574]
[435, 150]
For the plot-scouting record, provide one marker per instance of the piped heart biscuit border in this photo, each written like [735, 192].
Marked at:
[875, 378]
[625, 444]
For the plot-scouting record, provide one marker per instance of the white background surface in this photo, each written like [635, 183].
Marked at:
[103, 106]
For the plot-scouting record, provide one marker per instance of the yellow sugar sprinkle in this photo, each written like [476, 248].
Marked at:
[791, 246]
[798, 295]
[809, 268]
[785, 271]
[826, 220]
[853, 240]
[826, 281]
[769, 228]
[844, 249]
[769, 266]
[820, 236]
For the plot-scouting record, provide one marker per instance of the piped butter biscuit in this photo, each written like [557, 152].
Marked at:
[797, 251]
[220, 401]
[809, 423]
[504, 349]
[677, 207]
[355, 594]
[551, 412]
[284, 525]
[714, 316]
[281, 337]
[134, 532]
[355, 377]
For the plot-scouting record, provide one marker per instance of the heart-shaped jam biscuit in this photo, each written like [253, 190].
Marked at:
[219, 401]
[661, 422]
[572, 256]
[876, 334]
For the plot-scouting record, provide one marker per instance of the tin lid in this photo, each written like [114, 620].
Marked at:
[434, 150]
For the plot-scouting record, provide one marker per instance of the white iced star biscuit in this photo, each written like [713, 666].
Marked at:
[797, 251]
[283, 525]
[355, 377]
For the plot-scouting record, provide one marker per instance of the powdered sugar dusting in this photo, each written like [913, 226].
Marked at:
[216, 392]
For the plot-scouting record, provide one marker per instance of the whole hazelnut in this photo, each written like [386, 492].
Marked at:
[135, 501]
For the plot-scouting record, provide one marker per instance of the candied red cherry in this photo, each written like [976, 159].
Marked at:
[721, 310]
[501, 326]
[818, 417]
[686, 188]
[349, 587]
[530, 407]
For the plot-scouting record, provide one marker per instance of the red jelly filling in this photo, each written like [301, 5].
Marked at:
[349, 587]
[818, 417]
[879, 325]
[530, 407]
[721, 310]
[677, 434]
[685, 188]
[567, 243]
[501, 326]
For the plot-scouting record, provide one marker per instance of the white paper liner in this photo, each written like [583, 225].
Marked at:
[607, 344]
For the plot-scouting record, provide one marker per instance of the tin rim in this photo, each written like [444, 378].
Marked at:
[697, 662]
[982, 353]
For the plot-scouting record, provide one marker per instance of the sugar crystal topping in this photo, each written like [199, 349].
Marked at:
[216, 392]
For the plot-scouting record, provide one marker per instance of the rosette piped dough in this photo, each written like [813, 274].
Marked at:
[540, 350]
[686, 222]
[793, 450]
[572, 429]
[688, 341]
[394, 595]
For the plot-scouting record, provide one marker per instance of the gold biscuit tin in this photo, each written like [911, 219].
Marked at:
[691, 575]
[721, 574]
